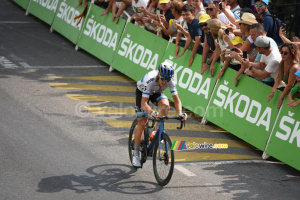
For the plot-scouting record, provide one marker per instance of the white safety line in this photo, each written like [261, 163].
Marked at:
[184, 170]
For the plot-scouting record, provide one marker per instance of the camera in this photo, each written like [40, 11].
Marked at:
[226, 31]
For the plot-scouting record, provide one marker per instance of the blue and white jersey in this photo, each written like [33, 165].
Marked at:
[148, 85]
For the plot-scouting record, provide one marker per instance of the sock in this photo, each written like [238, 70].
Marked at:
[136, 150]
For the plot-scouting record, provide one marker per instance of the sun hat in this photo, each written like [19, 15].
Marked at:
[203, 18]
[247, 18]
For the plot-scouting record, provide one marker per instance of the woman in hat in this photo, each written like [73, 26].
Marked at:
[286, 72]
[295, 91]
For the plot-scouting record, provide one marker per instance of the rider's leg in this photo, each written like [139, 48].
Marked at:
[164, 106]
[142, 122]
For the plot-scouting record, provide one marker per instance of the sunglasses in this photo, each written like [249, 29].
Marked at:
[202, 25]
[163, 79]
[284, 52]
[258, 5]
[209, 9]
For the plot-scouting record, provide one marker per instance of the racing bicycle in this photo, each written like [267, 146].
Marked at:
[159, 148]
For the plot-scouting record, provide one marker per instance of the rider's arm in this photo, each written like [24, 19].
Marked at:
[177, 102]
[145, 106]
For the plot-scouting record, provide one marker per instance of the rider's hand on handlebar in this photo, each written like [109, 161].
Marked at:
[154, 114]
[183, 116]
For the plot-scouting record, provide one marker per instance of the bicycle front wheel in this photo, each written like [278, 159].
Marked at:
[163, 161]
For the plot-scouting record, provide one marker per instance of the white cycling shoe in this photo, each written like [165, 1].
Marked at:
[136, 161]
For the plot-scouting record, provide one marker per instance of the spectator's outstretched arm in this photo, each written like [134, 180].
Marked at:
[229, 14]
[282, 33]
[276, 84]
[180, 28]
[165, 30]
[110, 4]
[216, 54]
[187, 43]
[178, 38]
[195, 49]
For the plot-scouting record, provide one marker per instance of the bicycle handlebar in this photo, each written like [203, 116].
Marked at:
[158, 119]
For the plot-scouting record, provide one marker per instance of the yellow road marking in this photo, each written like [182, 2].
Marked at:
[168, 126]
[94, 78]
[231, 143]
[181, 156]
[72, 86]
[80, 97]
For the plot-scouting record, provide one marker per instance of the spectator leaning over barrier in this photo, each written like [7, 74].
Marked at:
[295, 92]
[138, 14]
[199, 8]
[119, 7]
[286, 74]
[270, 56]
[237, 41]
[165, 14]
[195, 32]
[222, 41]
[262, 9]
[176, 7]
[149, 16]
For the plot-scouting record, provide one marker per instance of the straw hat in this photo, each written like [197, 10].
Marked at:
[247, 18]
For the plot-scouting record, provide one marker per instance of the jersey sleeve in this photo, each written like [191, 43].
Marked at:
[173, 88]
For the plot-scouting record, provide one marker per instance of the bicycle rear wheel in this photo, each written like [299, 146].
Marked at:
[131, 140]
[163, 167]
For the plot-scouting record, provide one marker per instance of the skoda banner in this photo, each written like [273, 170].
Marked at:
[139, 52]
[101, 36]
[244, 110]
[284, 143]
[22, 3]
[44, 10]
[64, 22]
[193, 88]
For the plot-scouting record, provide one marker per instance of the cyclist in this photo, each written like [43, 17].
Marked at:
[151, 87]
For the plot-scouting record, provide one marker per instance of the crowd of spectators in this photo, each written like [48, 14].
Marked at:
[237, 33]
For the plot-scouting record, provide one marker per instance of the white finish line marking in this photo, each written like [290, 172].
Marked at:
[184, 170]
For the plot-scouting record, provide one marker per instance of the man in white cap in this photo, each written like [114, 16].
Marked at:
[270, 57]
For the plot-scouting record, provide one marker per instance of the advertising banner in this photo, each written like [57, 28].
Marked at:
[100, 35]
[193, 88]
[64, 22]
[284, 143]
[244, 110]
[44, 10]
[22, 3]
[139, 52]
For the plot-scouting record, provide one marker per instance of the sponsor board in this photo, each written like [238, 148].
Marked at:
[245, 111]
[284, 143]
[22, 3]
[64, 22]
[139, 52]
[101, 36]
[44, 9]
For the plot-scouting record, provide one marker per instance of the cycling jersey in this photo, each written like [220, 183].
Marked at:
[149, 86]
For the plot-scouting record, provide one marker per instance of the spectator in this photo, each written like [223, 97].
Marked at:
[234, 13]
[176, 11]
[165, 15]
[237, 41]
[119, 7]
[270, 58]
[150, 16]
[199, 8]
[195, 32]
[296, 40]
[222, 41]
[295, 91]
[215, 13]
[208, 45]
[262, 9]
[137, 6]
[287, 70]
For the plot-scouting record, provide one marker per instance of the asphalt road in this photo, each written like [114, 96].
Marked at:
[52, 147]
